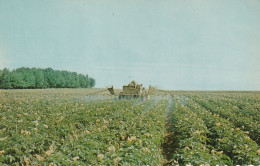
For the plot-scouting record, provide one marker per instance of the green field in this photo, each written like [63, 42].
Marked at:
[70, 127]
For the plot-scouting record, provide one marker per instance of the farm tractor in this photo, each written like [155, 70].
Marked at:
[133, 90]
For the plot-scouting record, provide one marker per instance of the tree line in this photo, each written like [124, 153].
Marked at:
[37, 78]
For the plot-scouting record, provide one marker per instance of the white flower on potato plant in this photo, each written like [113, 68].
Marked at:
[39, 158]
[2, 151]
[2, 139]
[111, 148]
[25, 132]
[140, 142]
[105, 121]
[45, 126]
[220, 152]
[132, 138]
[50, 151]
[148, 135]
[52, 164]
[104, 127]
[146, 150]
[100, 156]
[98, 129]
[27, 161]
[205, 165]
[116, 160]
[247, 138]
[75, 158]
[175, 162]
[86, 131]
[213, 151]
[218, 124]
[75, 136]
[197, 132]
[36, 122]
[122, 137]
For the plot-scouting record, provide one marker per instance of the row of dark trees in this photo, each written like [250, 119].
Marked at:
[36, 78]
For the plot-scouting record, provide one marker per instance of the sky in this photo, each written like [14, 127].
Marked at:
[171, 44]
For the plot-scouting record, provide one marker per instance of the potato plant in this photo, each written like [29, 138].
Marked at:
[244, 106]
[191, 139]
[70, 127]
[225, 137]
[39, 128]
[231, 113]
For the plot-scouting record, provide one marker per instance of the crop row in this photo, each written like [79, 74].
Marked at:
[190, 142]
[225, 111]
[243, 106]
[246, 101]
[224, 136]
[51, 128]
[251, 114]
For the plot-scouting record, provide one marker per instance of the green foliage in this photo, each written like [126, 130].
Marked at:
[64, 127]
[31, 78]
[224, 136]
[39, 127]
[5, 79]
[92, 82]
[239, 117]
[191, 139]
[39, 78]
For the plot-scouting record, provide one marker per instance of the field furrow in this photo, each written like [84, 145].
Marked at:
[224, 136]
[190, 135]
[244, 123]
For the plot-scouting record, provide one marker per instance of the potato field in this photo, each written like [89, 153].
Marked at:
[69, 127]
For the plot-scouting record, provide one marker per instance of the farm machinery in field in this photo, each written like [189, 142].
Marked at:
[133, 90]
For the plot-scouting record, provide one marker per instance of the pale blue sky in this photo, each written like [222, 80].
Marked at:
[173, 44]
